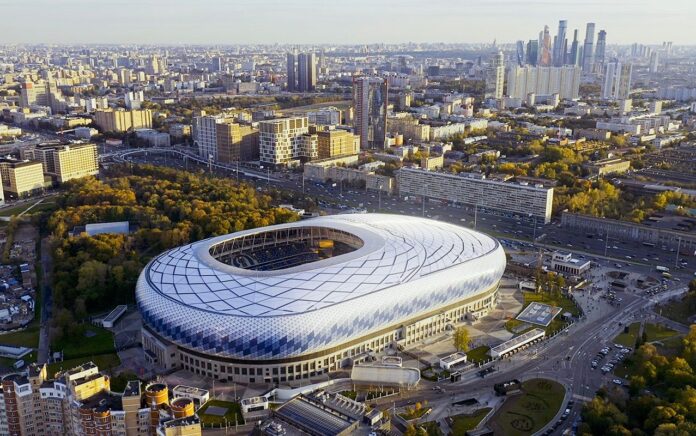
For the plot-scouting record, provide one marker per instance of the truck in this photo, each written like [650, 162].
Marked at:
[662, 269]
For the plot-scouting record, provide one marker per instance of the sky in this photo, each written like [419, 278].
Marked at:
[338, 22]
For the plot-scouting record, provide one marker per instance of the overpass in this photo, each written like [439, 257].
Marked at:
[186, 155]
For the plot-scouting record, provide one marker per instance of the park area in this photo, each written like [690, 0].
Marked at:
[629, 336]
[527, 413]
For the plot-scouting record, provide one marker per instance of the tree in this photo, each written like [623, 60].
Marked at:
[461, 339]
[410, 430]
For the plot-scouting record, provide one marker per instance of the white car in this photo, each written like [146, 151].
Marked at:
[616, 381]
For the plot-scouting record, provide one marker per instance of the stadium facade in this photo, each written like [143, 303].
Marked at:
[292, 301]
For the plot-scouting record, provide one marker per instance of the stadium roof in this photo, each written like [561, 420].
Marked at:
[396, 249]
[404, 268]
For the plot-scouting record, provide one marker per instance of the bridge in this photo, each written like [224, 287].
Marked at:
[186, 155]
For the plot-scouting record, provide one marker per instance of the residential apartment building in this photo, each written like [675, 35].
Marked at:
[236, 142]
[119, 120]
[494, 76]
[204, 132]
[284, 140]
[564, 81]
[475, 190]
[617, 81]
[409, 127]
[80, 402]
[333, 143]
[21, 178]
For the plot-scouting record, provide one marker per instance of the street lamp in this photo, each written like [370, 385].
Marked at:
[379, 197]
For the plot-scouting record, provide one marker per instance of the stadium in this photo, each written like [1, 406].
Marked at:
[292, 301]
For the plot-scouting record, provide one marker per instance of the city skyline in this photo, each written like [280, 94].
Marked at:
[313, 22]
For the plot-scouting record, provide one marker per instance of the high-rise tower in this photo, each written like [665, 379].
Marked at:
[292, 72]
[370, 101]
[588, 49]
[560, 44]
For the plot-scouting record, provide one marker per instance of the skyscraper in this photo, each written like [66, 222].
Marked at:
[601, 47]
[545, 47]
[520, 53]
[560, 44]
[574, 55]
[654, 61]
[292, 72]
[306, 72]
[532, 52]
[588, 49]
[217, 63]
[370, 101]
[617, 80]
[495, 76]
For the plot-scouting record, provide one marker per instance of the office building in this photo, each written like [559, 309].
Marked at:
[545, 47]
[217, 64]
[285, 140]
[327, 116]
[306, 72]
[299, 317]
[67, 162]
[608, 166]
[588, 49]
[119, 120]
[21, 178]
[236, 142]
[560, 44]
[495, 77]
[370, 100]
[80, 402]
[520, 53]
[574, 54]
[532, 52]
[291, 65]
[334, 143]
[564, 81]
[617, 81]
[475, 190]
[600, 52]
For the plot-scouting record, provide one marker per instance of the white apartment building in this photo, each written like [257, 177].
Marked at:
[205, 135]
[286, 139]
[475, 190]
[617, 81]
[564, 81]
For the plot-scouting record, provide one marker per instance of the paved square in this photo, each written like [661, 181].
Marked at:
[215, 411]
[539, 314]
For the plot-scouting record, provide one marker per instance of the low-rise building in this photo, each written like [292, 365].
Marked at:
[567, 264]
[608, 166]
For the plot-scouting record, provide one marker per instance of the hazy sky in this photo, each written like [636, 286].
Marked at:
[337, 21]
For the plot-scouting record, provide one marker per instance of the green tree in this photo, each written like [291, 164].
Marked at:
[461, 339]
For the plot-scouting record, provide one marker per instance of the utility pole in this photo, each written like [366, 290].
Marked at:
[676, 260]
[534, 235]
[424, 195]
[606, 243]
[379, 198]
[475, 214]
[237, 170]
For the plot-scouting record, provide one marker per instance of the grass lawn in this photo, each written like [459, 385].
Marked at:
[16, 210]
[84, 345]
[680, 310]
[462, 423]
[103, 361]
[478, 354]
[528, 412]
[412, 413]
[215, 420]
[671, 346]
[628, 339]
[349, 394]
[432, 428]
[658, 332]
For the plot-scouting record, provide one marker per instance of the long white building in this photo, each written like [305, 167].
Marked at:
[564, 81]
[467, 189]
